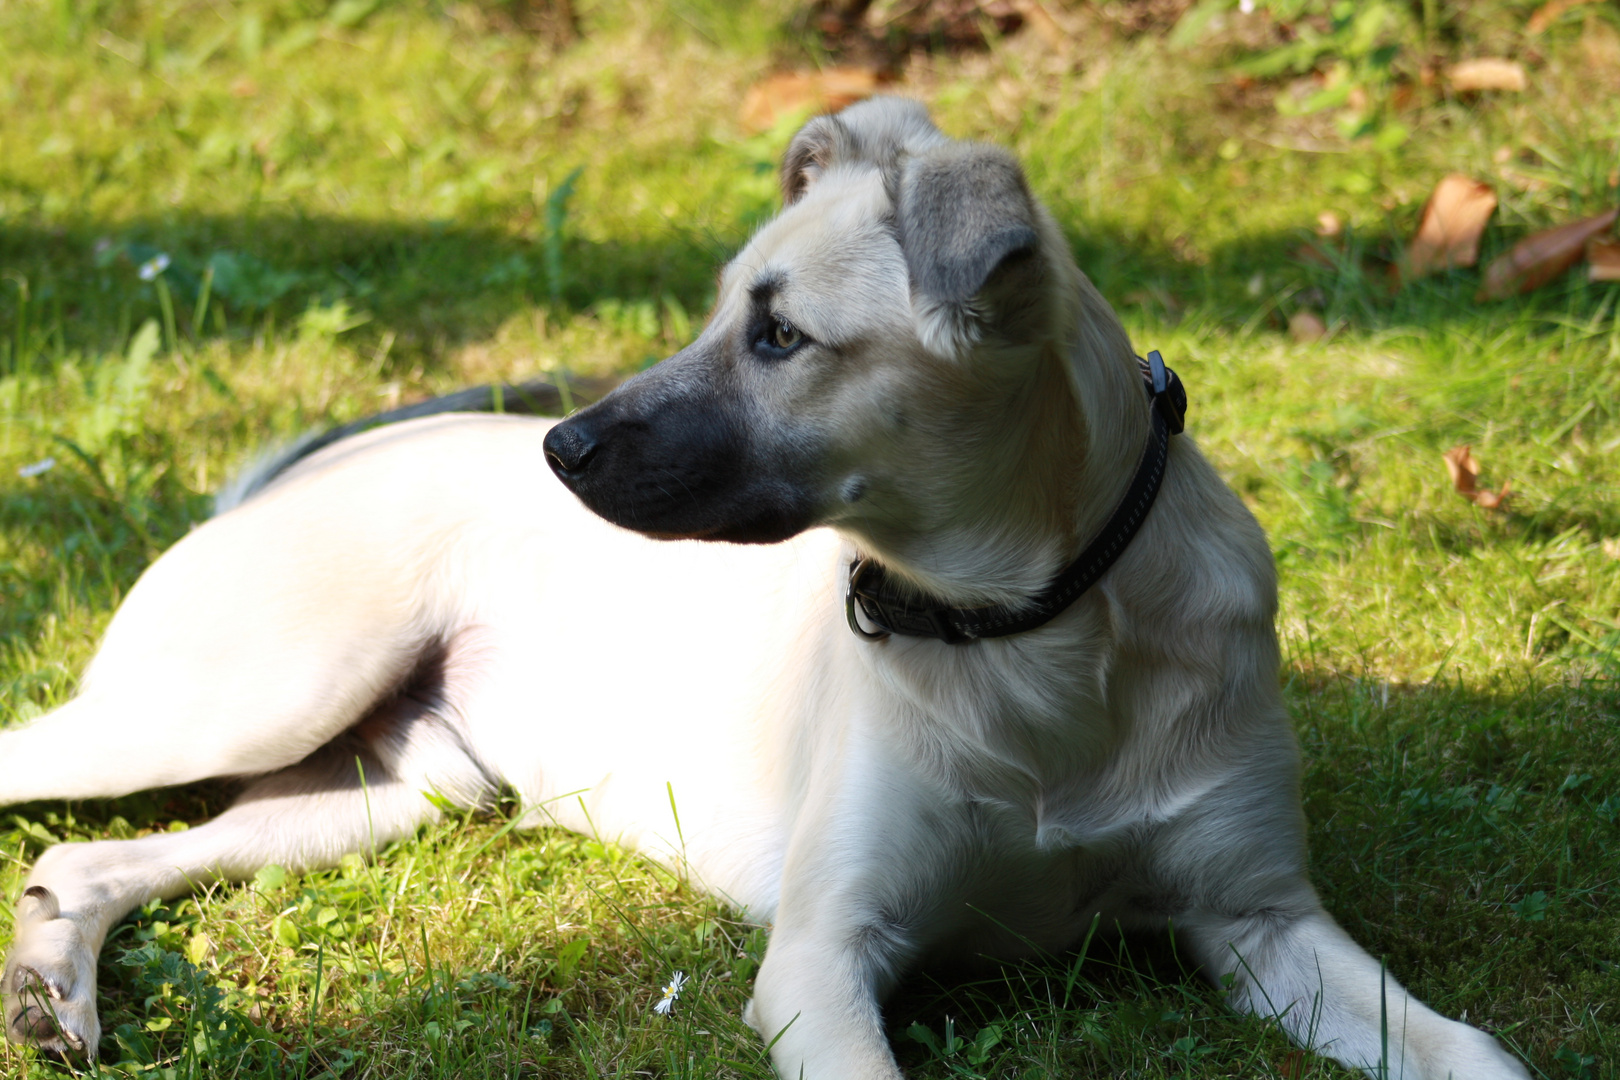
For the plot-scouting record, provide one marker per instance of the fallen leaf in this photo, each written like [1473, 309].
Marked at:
[1314, 254]
[1306, 327]
[828, 90]
[1548, 13]
[1540, 257]
[1449, 230]
[1600, 48]
[1487, 73]
[1046, 27]
[1464, 470]
[1404, 98]
[1293, 1065]
[1523, 181]
[1603, 260]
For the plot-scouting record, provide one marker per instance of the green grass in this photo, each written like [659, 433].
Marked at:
[380, 195]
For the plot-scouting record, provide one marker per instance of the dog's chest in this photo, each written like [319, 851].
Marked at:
[1030, 879]
[1049, 825]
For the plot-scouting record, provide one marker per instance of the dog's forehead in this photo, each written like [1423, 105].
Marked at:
[831, 262]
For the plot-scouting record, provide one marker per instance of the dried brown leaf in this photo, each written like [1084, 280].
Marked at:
[1548, 13]
[1487, 73]
[1603, 260]
[1463, 468]
[1044, 25]
[828, 90]
[1293, 1065]
[1449, 230]
[1464, 471]
[1306, 327]
[1318, 255]
[1540, 257]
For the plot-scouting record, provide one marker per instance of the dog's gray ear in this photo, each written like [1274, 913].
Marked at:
[967, 222]
[818, 144]
[880, 131]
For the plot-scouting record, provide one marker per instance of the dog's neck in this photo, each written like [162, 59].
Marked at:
[1072, 432]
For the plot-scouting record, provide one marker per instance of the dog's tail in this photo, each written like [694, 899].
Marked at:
[536, 397]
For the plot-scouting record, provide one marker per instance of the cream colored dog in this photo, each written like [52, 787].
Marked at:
[904, 371]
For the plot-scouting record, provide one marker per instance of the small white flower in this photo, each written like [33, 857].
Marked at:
[1246, 6]
[44, 465]
[666, 1004]
[154, 266]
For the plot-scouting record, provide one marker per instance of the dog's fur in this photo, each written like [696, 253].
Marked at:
[961, 405]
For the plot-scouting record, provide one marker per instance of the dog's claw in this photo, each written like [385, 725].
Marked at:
[28, 983]
[47, 990]
[38, 1012]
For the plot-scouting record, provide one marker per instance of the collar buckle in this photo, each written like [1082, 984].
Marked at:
[856, 569]
[1164, 389]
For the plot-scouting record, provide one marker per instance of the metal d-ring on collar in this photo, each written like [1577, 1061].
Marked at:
[894, 609]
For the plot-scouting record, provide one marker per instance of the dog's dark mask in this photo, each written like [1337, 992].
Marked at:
[673, 454]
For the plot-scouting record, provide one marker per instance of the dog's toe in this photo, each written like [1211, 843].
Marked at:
[48, 988]
[39, 903]
[39, 1013]
[29, 1007]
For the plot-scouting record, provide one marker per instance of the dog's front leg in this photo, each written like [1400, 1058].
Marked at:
[1331, 996]
[816, 1004]
[1256, 924]
[862, 882]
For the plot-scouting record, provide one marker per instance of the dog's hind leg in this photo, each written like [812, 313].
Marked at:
[351, 796]
[251, 643]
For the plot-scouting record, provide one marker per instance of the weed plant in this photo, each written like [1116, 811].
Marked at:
[362, 203]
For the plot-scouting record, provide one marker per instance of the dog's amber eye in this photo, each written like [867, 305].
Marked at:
[784, 335]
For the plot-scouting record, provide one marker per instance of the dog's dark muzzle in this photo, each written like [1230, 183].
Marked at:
[675, 463]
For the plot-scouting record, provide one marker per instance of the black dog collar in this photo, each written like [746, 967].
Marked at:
[894, 609]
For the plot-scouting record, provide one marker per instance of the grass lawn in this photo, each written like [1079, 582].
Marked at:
[384, 201]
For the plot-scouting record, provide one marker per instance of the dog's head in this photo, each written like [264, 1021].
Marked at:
[881, 355]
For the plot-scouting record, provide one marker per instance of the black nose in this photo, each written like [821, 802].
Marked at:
[569, 447]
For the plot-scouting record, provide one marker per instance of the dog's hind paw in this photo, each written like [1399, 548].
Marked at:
[48, 985]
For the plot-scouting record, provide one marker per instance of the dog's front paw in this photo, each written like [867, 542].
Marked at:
[48, 986]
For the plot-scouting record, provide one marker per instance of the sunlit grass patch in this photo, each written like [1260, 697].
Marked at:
[365, 204]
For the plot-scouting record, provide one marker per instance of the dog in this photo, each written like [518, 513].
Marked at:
[899, 581]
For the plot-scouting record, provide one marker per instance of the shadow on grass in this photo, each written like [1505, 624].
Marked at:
[1460, 835]
[429, 287]
[1464, 837]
